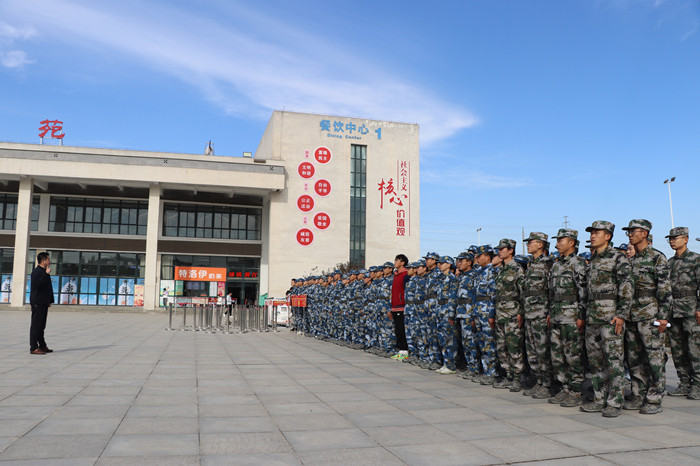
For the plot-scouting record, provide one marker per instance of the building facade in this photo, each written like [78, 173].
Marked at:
[124, 226]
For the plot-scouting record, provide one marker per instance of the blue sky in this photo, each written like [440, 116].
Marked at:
[529, 110]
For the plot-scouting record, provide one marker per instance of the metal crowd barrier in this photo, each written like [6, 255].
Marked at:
[213, 318]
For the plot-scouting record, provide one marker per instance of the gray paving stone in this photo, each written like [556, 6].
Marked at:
[548, 424]
[448, 415]
[601, 441]
[311, 422]
[153, 445]
[651, 458]
[243, 443]
[443, 454]
[328, 439]
[218, 425]
[385, 419]
[268, 459]
[55, 447]
[62, 426]
[409, 435]
[532, 448]
[158, 425]
[356, 456]
[475, 430]
[299, 409]
[670, 436]
[574, 461]
[191, 460]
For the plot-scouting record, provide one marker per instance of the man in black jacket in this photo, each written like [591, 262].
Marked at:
[40, 298]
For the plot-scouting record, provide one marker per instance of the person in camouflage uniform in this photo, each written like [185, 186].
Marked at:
[685, 320]
[567, 313]
[386, 326]
[447, 302]
[410, 311]
[464, 313]
[485, 313]
[609, 298]
[432, 285]
[371, 294]
[645, 329]
[535, 298]
[509, 333]
[420, 330]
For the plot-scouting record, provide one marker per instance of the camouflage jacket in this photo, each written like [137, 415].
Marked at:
[484, 290]
[432, 285]
[685, 279]
[465, 294]
[651, 278]
[447, 294]
[567, 289]
[508, 291]
[535, 288]
[411, 290]
[610, 288]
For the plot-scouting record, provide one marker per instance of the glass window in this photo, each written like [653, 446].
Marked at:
[358, 209]
[201, 221]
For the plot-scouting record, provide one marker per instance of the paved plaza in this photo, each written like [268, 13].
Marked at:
[119, 389]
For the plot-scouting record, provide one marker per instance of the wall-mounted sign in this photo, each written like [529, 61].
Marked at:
[322, 221]
[323, 155]
[200, 274]
[322, 188]
[305, 203]
[306, 170]
[305, 237]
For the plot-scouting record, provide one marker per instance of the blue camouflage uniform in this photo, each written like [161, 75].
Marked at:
[447, 302]
[484, 289]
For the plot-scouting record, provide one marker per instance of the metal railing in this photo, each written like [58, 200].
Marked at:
[215, 318]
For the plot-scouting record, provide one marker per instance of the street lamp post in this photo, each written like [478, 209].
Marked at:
[478, 232]
[670, 203]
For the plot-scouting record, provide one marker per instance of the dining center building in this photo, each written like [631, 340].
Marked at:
[122, 226]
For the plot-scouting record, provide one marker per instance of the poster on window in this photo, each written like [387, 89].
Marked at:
[5, 288]
[138, 295]
[69, 290]
[126, 292]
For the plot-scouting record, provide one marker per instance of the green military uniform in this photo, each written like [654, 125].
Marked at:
[685, 329]
[567, 304]
[609, 296]
[535, 296]
[644, 343]
[509, 336]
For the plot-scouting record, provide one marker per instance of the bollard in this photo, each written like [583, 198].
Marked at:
[228, 324]
[201, 316]
[170, 317]
[184, 318]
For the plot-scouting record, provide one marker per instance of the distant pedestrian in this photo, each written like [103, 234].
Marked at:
[40, 298]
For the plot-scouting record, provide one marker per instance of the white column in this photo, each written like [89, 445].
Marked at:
[44, 211]
[24, 220]
[265, 248]
[150, 289]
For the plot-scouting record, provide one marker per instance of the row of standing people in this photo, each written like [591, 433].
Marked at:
[551, 315]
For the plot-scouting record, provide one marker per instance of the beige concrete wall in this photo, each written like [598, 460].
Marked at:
[299, 134]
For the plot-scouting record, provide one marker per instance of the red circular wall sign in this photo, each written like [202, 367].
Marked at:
[305, 237]
[323, 154]
[305, 203]
[322, 188]
[322, 221]
[306, 170]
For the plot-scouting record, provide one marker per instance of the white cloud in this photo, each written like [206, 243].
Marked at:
[248, 63]
[470, 178]
[14, 59]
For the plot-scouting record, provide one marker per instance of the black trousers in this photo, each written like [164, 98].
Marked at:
[36, 331]
[400, 331]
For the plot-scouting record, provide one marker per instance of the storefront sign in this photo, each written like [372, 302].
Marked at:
[200, 274]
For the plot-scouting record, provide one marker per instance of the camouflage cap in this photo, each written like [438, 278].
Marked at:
[622, 247]
[678, 231]
[483, 249]
[602, 225]
[432, 255]
[585, 255]
[537, 235]
[466, 255]
[446, 260]
[362, 272]
[472, 248]
[506, 243]
[388, 264]
[566, 233]
[336, 271]
[638, 223]
[420, 263]
[411, 265]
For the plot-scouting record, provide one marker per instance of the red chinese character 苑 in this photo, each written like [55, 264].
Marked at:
[55, 126]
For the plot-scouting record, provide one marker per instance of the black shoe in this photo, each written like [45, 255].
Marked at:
[47, 350]
[37, 351]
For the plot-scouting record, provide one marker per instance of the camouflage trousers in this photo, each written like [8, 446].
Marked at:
[445, 336]
[486, 342]
[410, 322]
[469, 343]
[509, 343]
[605, 356]
[685, 347]
[537, 348]
[645, 347]
[431, 331]
[566, 347]
[419, 334]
